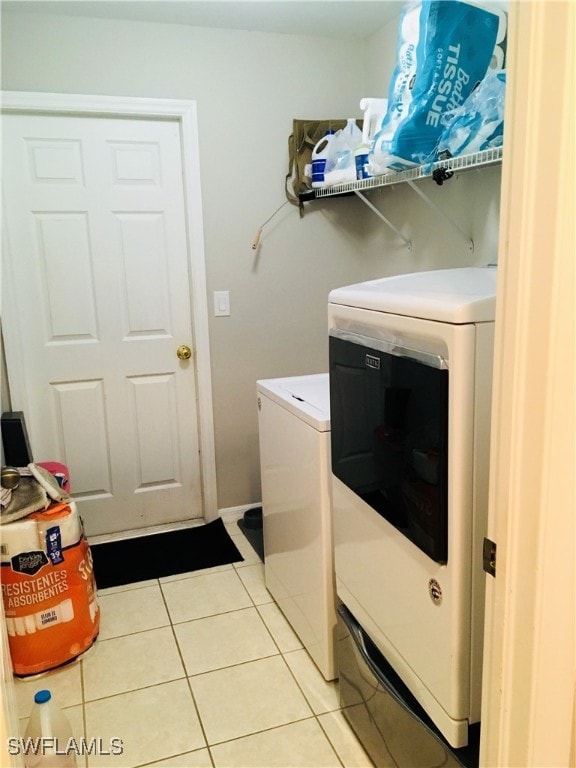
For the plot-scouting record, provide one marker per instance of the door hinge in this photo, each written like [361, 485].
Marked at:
[489, 557]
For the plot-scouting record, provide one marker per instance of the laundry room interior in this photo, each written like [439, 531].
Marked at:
[250, 69]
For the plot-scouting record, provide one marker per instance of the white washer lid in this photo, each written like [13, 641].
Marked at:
[466, 295]
[308, 397]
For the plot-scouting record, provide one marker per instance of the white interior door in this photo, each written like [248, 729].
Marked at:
[97, 265]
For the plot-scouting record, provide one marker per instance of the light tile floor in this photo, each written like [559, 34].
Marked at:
[200, 670]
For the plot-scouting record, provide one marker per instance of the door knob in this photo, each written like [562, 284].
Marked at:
[184, 352]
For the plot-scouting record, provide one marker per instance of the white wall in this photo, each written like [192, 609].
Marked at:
[248, 87]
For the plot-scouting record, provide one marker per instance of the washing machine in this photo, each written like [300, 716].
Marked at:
[294, 432]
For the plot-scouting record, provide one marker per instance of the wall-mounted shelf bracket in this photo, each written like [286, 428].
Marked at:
[436, 209]
[381, 216]
[451, 165]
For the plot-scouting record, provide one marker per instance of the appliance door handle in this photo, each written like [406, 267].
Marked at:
[357, 635]
[392, 348]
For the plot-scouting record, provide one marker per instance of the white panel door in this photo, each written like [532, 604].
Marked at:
[97, 255]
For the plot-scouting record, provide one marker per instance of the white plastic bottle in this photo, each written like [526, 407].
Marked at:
[342, 151]
[47, 740]
[374, 112]
[352, 131]
[319, 156]
[340, 165]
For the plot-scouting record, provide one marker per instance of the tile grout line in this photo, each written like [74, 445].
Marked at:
[279, 653]
[266, 730]
[300, 687]
[315, 715]
[172, 624]
[188, 683]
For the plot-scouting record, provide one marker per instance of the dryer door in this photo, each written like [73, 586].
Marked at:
[389, 412]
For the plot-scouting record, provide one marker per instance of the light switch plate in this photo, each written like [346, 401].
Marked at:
[221, 303]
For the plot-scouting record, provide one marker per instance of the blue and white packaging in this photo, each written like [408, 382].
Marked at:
[444, 50]
[478, 124]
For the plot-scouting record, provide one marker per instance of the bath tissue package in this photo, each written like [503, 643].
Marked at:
[48, 589]
[445, 48]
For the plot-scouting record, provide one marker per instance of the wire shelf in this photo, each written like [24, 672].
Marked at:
[453, 164]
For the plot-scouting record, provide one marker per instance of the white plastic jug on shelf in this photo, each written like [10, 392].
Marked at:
[320, 155]
[48, 739]
[374, 111]
[341, 165]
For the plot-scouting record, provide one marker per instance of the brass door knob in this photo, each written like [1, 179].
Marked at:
[184, 352]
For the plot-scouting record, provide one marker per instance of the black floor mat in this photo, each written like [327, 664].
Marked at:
[163, 554]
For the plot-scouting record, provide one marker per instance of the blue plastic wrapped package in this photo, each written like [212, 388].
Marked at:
[444, 51]
[478, 124]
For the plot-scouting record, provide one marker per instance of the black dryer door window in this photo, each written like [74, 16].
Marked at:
[389, 435]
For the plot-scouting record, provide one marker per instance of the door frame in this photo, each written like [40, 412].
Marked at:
[185, 114]
[530, 631]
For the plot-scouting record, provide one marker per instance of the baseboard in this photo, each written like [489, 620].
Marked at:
[230, 514]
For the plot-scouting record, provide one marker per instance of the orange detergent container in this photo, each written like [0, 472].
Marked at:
[48, 589]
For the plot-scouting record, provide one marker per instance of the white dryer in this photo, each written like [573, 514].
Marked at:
[410, 380]
[294, 431]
